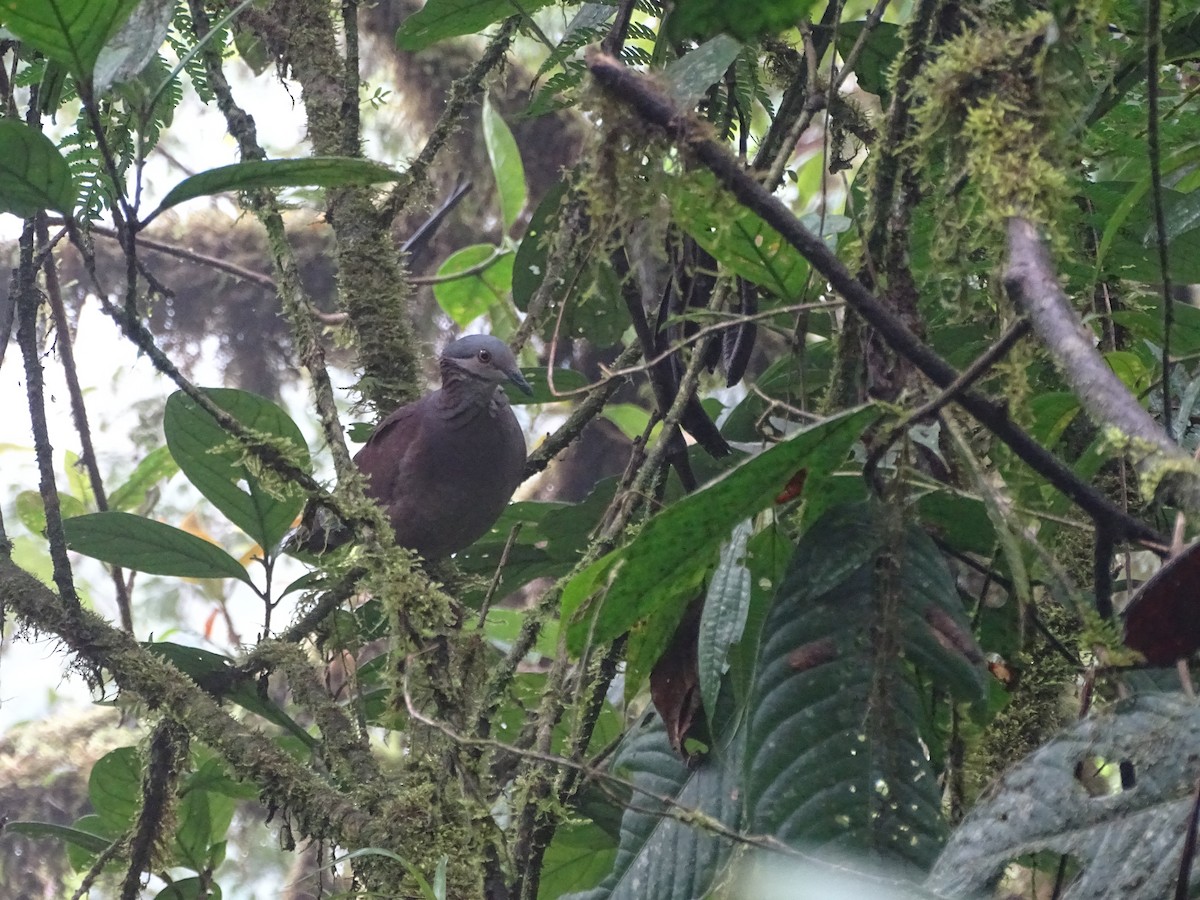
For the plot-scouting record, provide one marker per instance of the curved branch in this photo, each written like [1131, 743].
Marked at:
[1033, 285]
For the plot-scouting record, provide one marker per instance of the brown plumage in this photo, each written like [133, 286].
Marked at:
[444, 466]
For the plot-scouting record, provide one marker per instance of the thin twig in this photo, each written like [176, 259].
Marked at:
[462, 92]
[87, 455]
[976, 370]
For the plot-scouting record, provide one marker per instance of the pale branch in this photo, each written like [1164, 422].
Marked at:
[655, 108]
[1033, 286]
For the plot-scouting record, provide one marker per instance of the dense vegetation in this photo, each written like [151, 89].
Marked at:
[865, 379]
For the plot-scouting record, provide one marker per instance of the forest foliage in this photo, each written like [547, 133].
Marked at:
[878, 315]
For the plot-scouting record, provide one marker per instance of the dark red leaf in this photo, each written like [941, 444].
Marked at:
[675, 682]
[1162, 621]
[813, 654]
[793, 488]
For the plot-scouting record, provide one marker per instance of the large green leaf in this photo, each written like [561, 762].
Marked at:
[32, 512]
[704, 18]
[723, 620]
[144, 545]
[738, 238]
[882, 46]
[212, 460]
[834, 755]
[661, 569]
[473, 293]
[33, 174]
[115, 786]
[660, 857]
[441, 19]
[70, 31]
[693, 73]
[317, 171]
[506, 163]
[578, 858]
[529, 267]
[1129, 842]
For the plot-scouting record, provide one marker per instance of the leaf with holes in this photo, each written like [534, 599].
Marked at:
[834, 753]
[1129, 843]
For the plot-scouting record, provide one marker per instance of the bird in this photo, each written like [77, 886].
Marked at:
[444, 466]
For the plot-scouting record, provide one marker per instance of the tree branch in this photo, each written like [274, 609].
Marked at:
[653, 107]
[1032, 284]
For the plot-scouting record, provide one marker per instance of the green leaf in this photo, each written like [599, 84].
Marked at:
[194, 832]
[33, 174]
[32, 513]
[1129, 843]
[694, 73]
[212, 461]
[725, 610]
[156, 466]
[317, 171]
[77, 480]
[213, 672]
[1132, 200]
[190, 889]
[738, 238]
[441, 19]
[834, 754]
[503, 625]
[70, 31]
[82, 858]
[470, 296]
[661, 568]
[529, 268]
[506, 164]
[580, 855]
[115, 788]
[92, 843]
[660, 856]
[882, 46]
[564, 380]
[700, 19]
[144, 545]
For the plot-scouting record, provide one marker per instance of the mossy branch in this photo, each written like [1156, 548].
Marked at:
[655, 108]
